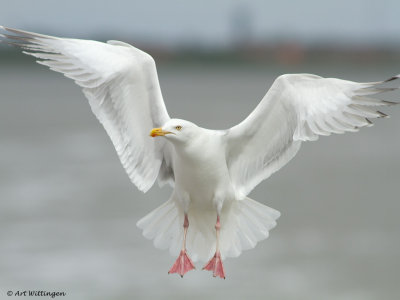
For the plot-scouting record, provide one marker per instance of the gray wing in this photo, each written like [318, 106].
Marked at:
[297, 108]
[121, 84]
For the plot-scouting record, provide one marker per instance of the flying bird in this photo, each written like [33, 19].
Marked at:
[208, 216]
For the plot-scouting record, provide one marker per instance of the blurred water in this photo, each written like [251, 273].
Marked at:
[68, 211]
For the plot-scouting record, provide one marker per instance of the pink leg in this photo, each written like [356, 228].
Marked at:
[215, 263]
[183, 264]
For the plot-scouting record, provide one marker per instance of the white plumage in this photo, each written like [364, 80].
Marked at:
[212, 172]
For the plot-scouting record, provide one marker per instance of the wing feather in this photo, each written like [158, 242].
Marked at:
[121, 84]
[297, 108]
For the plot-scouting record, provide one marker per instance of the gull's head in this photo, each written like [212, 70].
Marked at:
[176, 130]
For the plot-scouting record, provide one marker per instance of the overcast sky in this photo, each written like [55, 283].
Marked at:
[211, 22]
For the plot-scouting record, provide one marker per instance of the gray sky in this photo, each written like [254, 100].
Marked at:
[211, 22]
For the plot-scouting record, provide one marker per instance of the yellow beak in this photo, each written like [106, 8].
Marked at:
[158, 132]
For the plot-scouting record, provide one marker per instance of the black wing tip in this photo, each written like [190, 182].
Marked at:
[390, 102]
[382, 115]
[393, 78]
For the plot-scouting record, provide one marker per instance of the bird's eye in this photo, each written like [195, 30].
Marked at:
[178, 127]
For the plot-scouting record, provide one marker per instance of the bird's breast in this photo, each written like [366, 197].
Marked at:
[202, 174]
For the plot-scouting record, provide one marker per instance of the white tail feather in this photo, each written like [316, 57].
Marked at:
[248, 223]
[243, 224]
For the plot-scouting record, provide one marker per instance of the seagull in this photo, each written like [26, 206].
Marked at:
[208, 216]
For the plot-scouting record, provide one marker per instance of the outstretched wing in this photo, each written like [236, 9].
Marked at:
[298, 107]
[121, 84]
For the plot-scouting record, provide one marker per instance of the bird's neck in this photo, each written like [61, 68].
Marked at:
[202, 148]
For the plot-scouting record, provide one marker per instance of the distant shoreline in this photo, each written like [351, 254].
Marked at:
[285, 54]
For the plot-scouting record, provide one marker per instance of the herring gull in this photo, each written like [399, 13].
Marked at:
[211, 171]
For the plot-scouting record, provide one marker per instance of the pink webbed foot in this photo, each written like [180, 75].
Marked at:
[182, 265]
[215, 265]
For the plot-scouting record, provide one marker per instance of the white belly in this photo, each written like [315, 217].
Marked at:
[202, 180]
